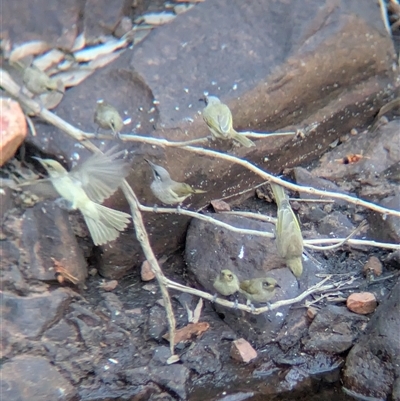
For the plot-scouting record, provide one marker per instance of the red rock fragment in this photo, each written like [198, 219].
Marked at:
[362, 303]
[12, 128]
[220, 206]
[110, 285]
[146, 271]
[242, 351]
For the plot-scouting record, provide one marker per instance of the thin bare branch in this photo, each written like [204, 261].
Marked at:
[339, 244]
[363, 242]
[208, 219]
[141, 235]
[316, 288]
[252, 215]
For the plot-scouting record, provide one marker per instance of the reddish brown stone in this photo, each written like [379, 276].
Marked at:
[12, 128]
[146, 272]
[362, 303]
[242, 351]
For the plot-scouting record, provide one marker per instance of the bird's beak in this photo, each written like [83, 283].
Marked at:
[38, 159]
[277, 285]
[152, 165]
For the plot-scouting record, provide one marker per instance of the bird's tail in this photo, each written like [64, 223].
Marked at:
[279, 193]
[295, 265]
[107, 228]
[243, 140]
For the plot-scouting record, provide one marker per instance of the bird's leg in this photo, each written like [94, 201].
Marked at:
[248, 303]
[155, 208]
[178, 209]
[214, 298]
[235, 300]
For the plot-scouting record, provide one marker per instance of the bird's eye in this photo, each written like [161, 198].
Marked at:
[230, 276]
[157, 175]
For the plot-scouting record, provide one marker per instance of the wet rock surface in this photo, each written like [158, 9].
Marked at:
[94, 342]
[267, 96]
[34, 378]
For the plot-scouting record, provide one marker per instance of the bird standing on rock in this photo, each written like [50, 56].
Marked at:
[38, 82]
[107, 117]
[218, 117]
[89, 184]
[289, 239]
[226, 283]
[258, 289]
[167, 190]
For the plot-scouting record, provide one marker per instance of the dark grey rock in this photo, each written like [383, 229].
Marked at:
[334, 329]
[373, 364]
[31, 316]
[33, 378]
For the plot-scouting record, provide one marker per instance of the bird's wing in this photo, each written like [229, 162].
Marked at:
[224, 118]
[248, 287]
[289, 228]
[181, 189]
[101, 174]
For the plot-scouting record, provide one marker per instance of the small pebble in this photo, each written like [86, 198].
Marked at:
[220, 206]
[109, 285]
[362, 303]
[242, 351]
[146, 271]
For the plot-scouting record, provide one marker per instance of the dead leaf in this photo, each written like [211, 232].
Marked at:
[173, 359]
[28, 49]
[62, 273]
[73, 77]
[189, 332]
[197, 311]
[49, 59]
[156, 18]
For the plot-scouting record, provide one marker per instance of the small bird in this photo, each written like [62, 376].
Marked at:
[166, 189]
[258, 289]
[107, 117]
[38, 82]
[226, 283]
[289, 240]
[88, 185]
[218, 117]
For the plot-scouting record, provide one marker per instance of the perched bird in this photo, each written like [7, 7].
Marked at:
[289, 240]
[166, 189]
[107, 117]
[86, 186]
[258, 289]
[218, 117]
[38, 82]
[226, 283]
